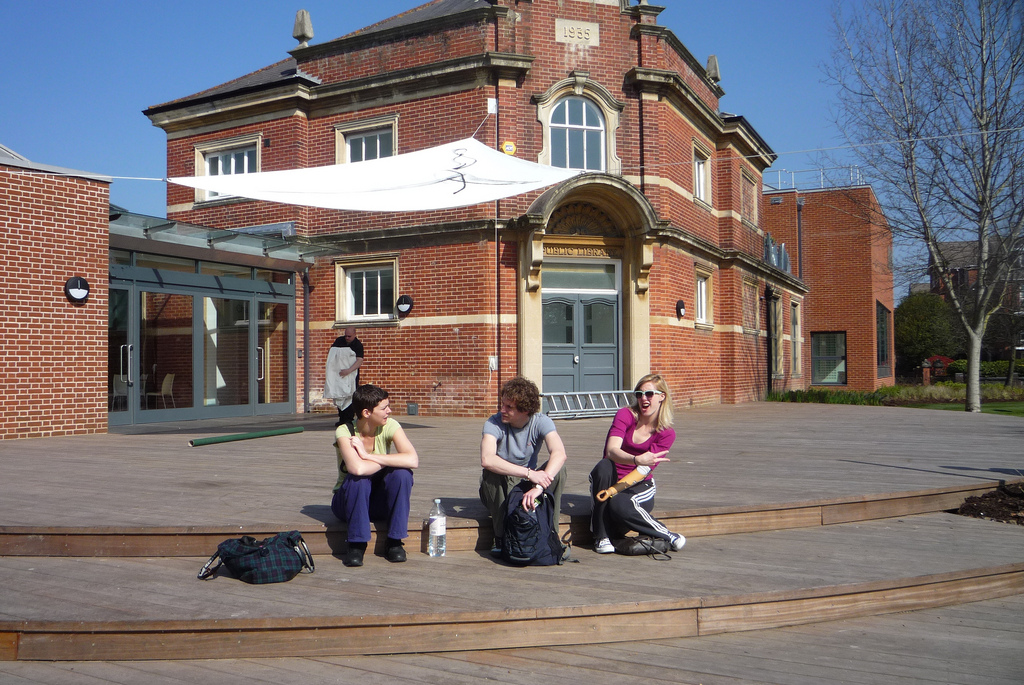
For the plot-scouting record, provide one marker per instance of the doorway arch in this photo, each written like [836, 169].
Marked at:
[590, 219]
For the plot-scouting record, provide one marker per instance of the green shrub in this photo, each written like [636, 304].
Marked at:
[946, 391]
[822, 396]
[990, 369]
[957, 366]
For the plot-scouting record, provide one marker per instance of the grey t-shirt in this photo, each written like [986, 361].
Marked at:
[520, 445]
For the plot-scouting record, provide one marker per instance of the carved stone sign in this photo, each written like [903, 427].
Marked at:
[596, 251]
[577, 32]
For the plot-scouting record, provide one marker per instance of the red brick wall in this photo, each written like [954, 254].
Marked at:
[441, 367]
[846, 251]
[53, 363]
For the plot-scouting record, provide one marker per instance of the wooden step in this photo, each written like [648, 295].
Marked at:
[472, 534]
[104, 608]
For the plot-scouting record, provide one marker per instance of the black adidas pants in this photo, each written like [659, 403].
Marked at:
[626, 511]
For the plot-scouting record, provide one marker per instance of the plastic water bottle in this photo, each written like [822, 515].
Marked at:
[438, 530]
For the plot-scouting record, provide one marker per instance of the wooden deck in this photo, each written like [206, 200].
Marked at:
[795, 513]
[968, 644]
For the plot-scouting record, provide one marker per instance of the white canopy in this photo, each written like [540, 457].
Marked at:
[458, 174]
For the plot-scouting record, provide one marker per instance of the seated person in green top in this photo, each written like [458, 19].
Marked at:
[373, 483]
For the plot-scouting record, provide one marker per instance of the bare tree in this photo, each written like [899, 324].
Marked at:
[931, 103]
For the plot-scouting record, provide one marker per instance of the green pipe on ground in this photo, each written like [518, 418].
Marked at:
[199, 442]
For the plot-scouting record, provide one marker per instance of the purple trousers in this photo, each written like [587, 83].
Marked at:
[384, 496]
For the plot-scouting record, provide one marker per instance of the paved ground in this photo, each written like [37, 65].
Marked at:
[724, 456]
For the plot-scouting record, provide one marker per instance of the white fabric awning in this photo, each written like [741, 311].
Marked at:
[458, 174]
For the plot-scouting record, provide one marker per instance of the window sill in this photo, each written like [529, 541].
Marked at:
[706, 206]
[367, 323]
[219, 201]
[703, 326]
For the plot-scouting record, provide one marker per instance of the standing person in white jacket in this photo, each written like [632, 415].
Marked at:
[342, 377]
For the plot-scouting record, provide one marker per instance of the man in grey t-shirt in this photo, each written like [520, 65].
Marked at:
[511, 443]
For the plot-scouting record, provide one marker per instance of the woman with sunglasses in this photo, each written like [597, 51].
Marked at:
[640, 436]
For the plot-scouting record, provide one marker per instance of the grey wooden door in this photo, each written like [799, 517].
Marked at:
[581, 342]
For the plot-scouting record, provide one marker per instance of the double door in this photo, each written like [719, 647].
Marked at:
[581, 342]
[175, 354]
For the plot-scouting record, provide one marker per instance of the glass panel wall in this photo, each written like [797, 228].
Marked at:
[118, 358]
[165, 354]
[225, 351]
[272, 352]
[232, 270]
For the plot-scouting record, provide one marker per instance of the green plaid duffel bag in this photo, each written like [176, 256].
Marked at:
[272, 560]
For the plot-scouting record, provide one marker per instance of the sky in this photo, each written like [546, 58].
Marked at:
[79, 73]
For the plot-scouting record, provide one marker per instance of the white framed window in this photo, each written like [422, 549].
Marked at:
[239, 155]
[796, 339]
[700, 300]
[370, 145]
[366, 139]
[777, 335]
[750, 309]
[577, 135]
[748, 198]
[701, 175]
[366, 290]
[702, 297]
[579, 118]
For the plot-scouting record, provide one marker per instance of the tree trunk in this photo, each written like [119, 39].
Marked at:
[1011, 365]
[973, 372]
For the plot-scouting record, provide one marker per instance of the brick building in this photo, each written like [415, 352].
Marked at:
[663, 256]
[842, 249]
[53, 227]
[652, 260]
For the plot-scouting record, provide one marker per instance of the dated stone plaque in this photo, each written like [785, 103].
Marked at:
[577, 32]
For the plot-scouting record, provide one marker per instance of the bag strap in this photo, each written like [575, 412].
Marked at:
[652, 551]
[205, 573]
[305, 556]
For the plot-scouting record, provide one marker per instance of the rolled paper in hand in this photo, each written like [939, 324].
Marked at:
[631, 478]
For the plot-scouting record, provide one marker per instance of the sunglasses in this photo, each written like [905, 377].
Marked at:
[648, 394]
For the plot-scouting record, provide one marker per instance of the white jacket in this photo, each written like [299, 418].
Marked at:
[336, 387]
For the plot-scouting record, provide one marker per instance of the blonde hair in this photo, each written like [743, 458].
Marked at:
[664, 418]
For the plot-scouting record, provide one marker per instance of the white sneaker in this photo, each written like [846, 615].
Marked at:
[604, 546]
[677, 542]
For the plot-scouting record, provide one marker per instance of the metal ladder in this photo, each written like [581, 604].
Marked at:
[579, 405]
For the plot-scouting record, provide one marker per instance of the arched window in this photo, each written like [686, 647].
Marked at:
[577, 135]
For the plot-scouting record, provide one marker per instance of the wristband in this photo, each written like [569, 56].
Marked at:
[634, 460]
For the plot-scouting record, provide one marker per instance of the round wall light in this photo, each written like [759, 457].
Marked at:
[76, 289]
[680, 308]
[404, 305]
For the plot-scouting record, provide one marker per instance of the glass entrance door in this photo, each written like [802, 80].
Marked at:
[166, 329]
[272, 357]
[122, 370]
[225, 352]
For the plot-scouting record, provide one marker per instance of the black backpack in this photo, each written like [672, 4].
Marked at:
[531, 537]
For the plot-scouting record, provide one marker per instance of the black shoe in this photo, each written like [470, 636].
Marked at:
[354, 555]
[394, 551]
